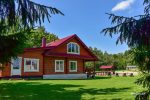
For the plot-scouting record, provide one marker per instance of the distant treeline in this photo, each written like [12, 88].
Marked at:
[119, 61]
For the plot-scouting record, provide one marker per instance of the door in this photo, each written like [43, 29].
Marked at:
[16, 66]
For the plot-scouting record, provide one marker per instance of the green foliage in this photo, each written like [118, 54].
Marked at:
[14, 47]
[132, 30]
[35, 37]
[142, 57]
[26, 11]
[120, 60]
[10, 42]
[17, 19]
[135, 31]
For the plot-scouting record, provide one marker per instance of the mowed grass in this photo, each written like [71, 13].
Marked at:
[102, 88]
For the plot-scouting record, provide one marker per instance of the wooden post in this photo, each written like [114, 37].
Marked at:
[43, 64]
[83, 65]
[94, 67]
[66, 68]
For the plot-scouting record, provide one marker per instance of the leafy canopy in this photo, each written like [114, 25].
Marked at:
[119, 61]
[35, 37]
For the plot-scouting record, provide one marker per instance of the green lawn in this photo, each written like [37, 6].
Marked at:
[115, 88]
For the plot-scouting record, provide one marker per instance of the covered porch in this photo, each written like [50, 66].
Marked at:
[81, 72]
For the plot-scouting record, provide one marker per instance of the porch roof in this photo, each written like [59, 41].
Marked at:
[106, 67]
[89, 58]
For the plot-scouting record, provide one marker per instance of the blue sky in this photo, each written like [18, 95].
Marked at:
[87, 18]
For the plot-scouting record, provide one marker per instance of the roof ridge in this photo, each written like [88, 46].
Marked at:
[59, 41]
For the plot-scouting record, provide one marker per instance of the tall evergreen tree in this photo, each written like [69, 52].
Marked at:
[17, 18]
[135, 31]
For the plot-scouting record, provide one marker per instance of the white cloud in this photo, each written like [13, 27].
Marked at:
[123, 5]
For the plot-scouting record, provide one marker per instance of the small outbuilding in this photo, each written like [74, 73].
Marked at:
[106, 70]
[131, 68]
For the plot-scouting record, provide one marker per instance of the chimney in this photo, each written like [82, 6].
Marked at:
[43, 42]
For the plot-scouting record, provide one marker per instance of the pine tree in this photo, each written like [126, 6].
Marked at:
[135, 31]
[17, 18]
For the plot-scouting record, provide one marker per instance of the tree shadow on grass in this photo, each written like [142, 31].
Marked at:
[40, 91]
[102, 77]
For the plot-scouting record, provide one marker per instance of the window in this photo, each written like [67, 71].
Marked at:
[73, 48]
[73, 66]
[59, 65]
[31, 65]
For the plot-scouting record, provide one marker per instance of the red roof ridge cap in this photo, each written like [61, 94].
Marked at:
[60, 41]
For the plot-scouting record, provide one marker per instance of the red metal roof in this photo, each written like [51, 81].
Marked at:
[39, 48]
[64, 40]
[106, 67]
[60, 41]
[51, 45]
[55, 44]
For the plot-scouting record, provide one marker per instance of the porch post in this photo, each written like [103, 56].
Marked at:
[94, 66]
[66, 68]
[83, 66]
[43, 64]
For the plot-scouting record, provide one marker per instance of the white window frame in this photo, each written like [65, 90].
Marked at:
[59, 66]
[25, 70]
[70, 66]
[75, 49]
